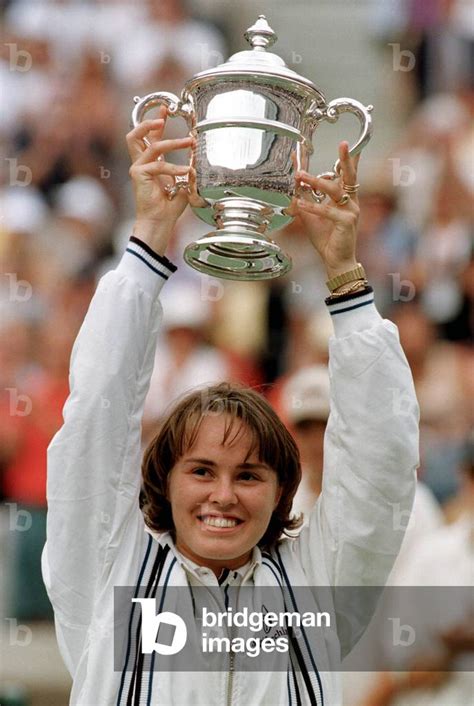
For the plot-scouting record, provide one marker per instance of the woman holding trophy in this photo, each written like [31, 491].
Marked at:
[218, 497]
[220, 475]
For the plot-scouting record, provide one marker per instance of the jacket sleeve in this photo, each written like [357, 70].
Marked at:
[370, 460]
[94, 459]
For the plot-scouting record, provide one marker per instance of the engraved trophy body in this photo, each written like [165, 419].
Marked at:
[253, 119]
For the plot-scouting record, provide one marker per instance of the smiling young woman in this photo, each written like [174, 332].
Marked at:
[227, 452]
[219, 478]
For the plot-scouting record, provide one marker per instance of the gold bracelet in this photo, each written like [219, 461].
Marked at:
[357, 273]
[358, 284]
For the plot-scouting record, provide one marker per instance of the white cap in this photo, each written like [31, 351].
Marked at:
[23, 209]
[306, 394]
[183, 305]
[84, 198]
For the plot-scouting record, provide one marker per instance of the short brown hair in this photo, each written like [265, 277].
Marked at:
[271, 440]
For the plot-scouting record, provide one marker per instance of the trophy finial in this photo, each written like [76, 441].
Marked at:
[260, 35]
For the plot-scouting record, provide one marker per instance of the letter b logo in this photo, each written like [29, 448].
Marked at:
[164, 633]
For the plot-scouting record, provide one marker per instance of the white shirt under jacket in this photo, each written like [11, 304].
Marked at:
[96, 536]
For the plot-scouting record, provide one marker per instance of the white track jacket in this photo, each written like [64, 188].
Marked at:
[97, 539]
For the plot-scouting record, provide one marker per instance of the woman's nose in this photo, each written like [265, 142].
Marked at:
[223, 493]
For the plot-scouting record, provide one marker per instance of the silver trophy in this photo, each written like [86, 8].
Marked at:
[253, 119]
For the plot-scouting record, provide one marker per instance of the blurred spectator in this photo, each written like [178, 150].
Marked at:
[23, 213]
[387, 244]
[443, 253]
[23, 209]
[443, 383]
[15, 361]
[293, 302]
[167, 48]
[184, 360]
[439, 35]
[305, 408]
[73, 132]
[436, 148]
[37, 415]
[32, 417]
[70, 27]
[425, 520]
[461, 327]
[441, 657]
[26, 70]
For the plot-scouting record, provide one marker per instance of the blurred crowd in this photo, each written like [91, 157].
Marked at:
[69, 72]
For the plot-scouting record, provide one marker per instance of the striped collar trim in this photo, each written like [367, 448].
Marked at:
[354, 302]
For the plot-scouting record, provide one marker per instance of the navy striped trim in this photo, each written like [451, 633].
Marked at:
[293, 690]
[140, 257]
[293, 600]
[160, 258]
[278, 578]
[223, 575]
[135, 682]
[350, 308]
[226, 597]
[160, 609]
[272, 565]
[295, 684]
[269, 561]
[129, 632]
[304, 669]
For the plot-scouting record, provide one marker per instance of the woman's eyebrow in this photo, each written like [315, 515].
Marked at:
[246, 466]
[204, 461]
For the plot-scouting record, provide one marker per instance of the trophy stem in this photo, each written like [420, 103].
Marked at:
[239, 249]
[249, 214]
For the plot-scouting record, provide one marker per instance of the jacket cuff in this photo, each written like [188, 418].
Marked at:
[141, 263]
[354, 312]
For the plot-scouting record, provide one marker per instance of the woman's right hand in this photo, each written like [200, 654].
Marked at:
[156, 214]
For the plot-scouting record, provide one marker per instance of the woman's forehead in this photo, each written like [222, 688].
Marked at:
[221, 433]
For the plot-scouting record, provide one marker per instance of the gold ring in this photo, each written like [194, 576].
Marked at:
[350, 188]
[170, 191]
[343, 200]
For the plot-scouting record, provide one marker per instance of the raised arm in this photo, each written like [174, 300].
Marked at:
[94, 459]
[371, 441]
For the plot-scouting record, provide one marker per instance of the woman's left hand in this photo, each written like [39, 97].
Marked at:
[331, 226]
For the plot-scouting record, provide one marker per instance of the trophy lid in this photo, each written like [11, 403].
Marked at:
[258, 62]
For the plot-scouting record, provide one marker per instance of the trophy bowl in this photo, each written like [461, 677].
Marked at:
[253, 119]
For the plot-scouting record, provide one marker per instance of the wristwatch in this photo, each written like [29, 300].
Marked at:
[350, 276]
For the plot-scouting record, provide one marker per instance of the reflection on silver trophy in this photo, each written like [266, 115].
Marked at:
[253, 119]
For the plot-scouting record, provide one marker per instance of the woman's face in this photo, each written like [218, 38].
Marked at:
[221, 500]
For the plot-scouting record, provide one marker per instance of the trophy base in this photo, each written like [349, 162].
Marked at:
[238, 254]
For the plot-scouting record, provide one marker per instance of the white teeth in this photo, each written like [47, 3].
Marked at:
[219, 521]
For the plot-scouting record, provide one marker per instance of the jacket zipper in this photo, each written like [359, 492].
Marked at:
[230, 682]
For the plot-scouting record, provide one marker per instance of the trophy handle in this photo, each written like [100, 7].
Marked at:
[176, 108]
[331, 113]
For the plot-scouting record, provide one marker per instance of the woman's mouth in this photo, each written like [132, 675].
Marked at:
[220, 522]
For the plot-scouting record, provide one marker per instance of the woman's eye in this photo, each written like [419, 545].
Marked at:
[248, 476]
[200, 471]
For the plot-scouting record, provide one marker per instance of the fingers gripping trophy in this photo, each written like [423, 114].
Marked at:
[252, 120]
